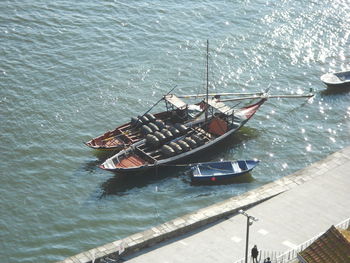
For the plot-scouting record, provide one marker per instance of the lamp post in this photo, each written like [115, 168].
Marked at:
[250, 220]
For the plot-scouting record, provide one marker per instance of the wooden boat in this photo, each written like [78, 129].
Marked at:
[218, 171]
[184, 141]
[337, 79]
[177, 111]
[194, 138]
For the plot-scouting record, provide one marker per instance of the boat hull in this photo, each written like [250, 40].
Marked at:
[119, 138]
[115, 163]
[221, 171]
[127, 134]
[338, 80]
[173, 161]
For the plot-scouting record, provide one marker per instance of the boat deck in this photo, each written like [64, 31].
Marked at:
[132, 135]
[131, 161]
[156, 154]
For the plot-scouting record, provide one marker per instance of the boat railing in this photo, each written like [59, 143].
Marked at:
[148, 157]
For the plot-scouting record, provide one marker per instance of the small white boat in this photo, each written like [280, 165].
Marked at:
[337, 79]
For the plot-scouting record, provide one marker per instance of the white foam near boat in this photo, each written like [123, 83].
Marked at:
[337, 79]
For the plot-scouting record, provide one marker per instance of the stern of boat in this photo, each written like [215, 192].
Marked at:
[108, 165]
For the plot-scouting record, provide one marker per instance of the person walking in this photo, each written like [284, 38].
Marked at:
[255, 254]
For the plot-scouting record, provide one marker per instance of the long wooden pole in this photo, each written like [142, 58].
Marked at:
[292, 96]
[270, 97]
[155, 104]
[220, 94]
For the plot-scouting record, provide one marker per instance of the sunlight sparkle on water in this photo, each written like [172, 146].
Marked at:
[308, 148]
[321, 110]
[342, 56]
[311, 100]
[332, 131]
[299, 91]
[102, 82]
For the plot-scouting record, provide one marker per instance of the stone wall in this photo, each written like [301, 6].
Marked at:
[205, 216]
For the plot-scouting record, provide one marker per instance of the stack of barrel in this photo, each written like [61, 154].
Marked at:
[165, 137]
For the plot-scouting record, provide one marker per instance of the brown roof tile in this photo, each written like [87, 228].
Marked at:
[332, 246]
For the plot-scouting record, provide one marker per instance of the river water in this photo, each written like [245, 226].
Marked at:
[71, 70]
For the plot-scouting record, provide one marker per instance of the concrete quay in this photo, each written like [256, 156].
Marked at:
[290, 210]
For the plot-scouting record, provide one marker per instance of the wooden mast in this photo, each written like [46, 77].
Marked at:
[207, 91]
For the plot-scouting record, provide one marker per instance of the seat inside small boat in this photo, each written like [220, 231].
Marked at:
[243, 165]
[236, 167]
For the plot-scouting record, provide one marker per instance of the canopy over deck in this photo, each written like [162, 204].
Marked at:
[220, 106]
[176, 101]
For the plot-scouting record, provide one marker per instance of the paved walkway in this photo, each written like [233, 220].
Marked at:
[285, 220]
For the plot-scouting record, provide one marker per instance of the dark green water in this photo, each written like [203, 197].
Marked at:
[71, 70]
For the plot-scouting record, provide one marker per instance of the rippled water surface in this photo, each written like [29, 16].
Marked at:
[72, 70]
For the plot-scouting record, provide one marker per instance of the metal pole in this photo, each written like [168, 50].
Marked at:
[247, 241]
[249, 222]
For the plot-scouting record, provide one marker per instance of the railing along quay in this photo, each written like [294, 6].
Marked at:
[291, 255]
